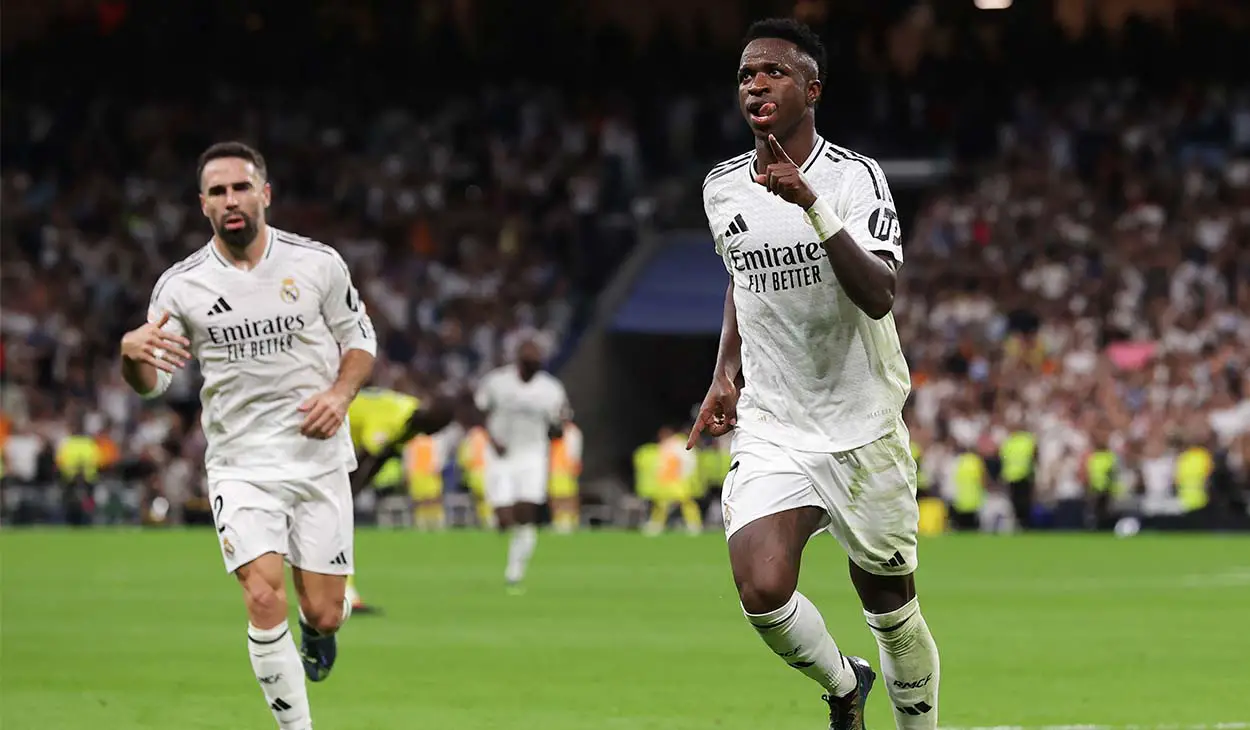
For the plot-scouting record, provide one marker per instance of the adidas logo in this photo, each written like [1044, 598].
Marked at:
[279, 705]
[221, 305]
[919, 708]
[340, 559]
[737, 226]
[895, 562]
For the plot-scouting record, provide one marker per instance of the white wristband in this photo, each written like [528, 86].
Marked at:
[824, 220]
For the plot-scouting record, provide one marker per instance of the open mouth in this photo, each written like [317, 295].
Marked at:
[234, 222]
[761, 111]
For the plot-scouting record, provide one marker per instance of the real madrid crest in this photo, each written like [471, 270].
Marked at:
[227, 547]
[289, 292]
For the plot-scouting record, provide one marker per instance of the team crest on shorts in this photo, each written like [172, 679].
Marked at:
[289, 292]
[227, 547]
[724, 508]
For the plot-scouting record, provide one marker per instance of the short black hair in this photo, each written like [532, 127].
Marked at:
[230, 149]
[798, 33]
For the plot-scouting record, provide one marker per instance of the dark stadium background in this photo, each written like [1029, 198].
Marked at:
[558, 146]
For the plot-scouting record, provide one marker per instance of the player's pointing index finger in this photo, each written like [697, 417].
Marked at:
[778, 151]
[699, 425]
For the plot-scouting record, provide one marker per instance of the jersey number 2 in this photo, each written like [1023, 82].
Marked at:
[218, 503]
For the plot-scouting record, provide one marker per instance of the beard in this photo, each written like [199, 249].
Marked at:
[238, 238]
[528, 368]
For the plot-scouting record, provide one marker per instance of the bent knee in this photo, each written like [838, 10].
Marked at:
[765, 591]
[325, 616]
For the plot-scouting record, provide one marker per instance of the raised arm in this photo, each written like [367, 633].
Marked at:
[863, 250]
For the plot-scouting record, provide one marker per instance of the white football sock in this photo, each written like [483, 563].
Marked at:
[276, 662]
[797, 633]
[520, 548]
[909, 665]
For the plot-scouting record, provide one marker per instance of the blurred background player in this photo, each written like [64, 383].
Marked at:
[284, 345]
[473, 456]
[674, 483]
[646, 464]
[78, 460]
[808, 336]
[714, 460]
[423, 470]
[523, 407]
[566, 467]
[384, 423]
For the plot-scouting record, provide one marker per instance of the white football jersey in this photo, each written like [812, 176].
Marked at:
[821, 375]
[266, 340]
[520, 414]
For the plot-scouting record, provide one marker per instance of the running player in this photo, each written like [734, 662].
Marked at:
[812, 248]
[284, 345]
[524, 409]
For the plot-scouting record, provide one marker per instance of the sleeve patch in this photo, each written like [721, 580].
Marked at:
[883, 225]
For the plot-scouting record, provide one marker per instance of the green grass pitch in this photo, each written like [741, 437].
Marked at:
[121, 630]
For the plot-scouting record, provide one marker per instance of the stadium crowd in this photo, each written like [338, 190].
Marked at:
[1083, 279]
[1090, 287]
[460, 249]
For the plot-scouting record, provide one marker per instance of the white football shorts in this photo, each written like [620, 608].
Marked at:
[308, 520]
[868, 494]
[517, 477]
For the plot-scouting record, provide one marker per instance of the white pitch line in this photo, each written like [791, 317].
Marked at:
[1174, 726]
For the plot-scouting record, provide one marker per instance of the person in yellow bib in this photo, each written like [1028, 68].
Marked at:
[78, 466]
[1018, 456]
[646, 469]
[676, 472]
[423, 465]
[381, 422]
[1194, 466]
[970, 478]
[713, 459]
[934, 511]
[1104, 486]
[566, 467]
[473, 457]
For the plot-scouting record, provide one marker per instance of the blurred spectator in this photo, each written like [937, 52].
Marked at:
[1083, 280]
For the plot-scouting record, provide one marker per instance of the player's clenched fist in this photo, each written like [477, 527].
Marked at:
[324, 413]
[719, 413]
[154, 346]
[784, 178]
